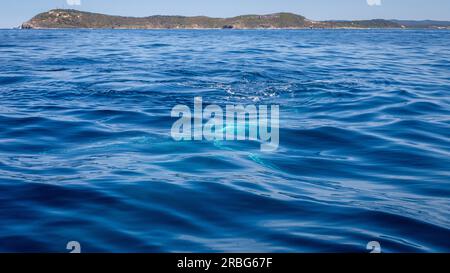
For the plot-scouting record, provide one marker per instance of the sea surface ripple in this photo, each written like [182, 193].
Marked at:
[86, 152]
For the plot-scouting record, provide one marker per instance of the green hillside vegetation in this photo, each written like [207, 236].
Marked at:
[61, 18]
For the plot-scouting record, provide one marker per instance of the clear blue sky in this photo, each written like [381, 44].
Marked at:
[14, 12]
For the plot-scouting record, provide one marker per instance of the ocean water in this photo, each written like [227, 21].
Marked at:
[86, 153]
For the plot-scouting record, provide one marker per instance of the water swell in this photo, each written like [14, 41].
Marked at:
[86, 152]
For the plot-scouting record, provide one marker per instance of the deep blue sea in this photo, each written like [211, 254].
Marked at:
[86, 152]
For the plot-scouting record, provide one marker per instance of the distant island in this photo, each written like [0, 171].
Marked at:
[63, 18]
